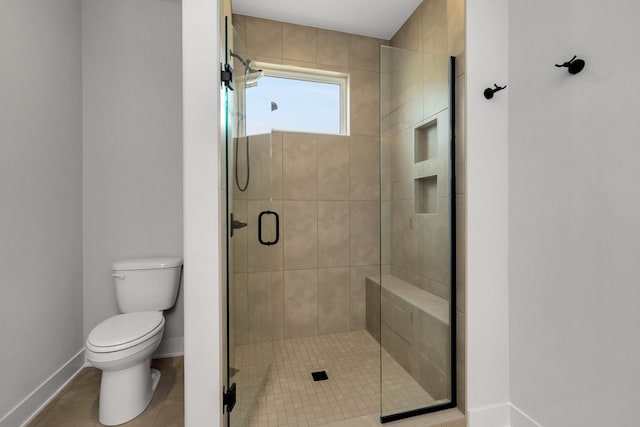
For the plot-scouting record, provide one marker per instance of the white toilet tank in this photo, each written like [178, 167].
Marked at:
[147, 284]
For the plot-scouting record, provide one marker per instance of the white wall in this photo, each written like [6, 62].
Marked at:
[132, 148]
[574, 235]
[204, 336]
[40, 199]
[487, 251]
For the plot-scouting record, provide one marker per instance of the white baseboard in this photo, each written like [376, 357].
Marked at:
[520, 419]
[489, 416]
[37, 400]
[169, 347]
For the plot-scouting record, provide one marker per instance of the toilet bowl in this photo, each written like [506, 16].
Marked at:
[122, 347]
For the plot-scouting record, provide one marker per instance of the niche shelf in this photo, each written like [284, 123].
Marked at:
[426, 194]
[425, 140]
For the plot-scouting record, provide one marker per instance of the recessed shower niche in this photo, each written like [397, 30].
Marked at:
[426, 142]
[426, 194]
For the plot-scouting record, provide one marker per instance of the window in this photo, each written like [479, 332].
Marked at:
[299, 100]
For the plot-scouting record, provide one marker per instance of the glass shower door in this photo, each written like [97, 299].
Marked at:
[416, 290]
[253, 231]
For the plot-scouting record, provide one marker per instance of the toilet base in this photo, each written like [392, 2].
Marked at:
[125, 393]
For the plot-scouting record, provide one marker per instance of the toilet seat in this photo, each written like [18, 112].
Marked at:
[124, 331]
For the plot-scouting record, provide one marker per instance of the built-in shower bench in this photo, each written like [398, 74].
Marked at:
[412, 325]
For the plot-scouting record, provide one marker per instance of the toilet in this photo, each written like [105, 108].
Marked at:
[122, 345]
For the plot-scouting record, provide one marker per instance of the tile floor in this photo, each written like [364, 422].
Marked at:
[77, 405]
[352, 362]
[350, 398]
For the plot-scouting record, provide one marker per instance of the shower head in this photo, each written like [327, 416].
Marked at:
[251, 73]
[252, 77]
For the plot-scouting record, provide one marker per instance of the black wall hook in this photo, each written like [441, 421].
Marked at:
[574, 65]
[488, 92]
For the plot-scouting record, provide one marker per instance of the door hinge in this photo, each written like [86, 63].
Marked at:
[226, 75]
[235, 224]
[229, 398]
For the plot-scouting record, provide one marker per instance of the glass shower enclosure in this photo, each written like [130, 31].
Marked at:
[410, 305]
[253, 229]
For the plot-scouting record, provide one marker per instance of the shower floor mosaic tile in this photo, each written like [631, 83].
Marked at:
[290, 397]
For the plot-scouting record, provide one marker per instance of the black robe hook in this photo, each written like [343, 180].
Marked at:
[574, 65]
[488, 92]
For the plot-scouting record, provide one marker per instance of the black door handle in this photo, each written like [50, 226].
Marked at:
[277, 217]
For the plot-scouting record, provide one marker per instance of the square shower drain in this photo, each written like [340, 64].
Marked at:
[320, 376]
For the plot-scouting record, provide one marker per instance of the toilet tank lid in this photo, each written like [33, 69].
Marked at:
[147, 263]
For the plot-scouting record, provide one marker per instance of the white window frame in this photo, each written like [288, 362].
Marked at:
[318, 76]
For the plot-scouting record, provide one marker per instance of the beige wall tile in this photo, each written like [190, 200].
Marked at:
[239, 168]
[260, 307]
[302, 64]
[300, 303]
[240, 305]
[358, 295]
[365, 99]
[434, 245]
[259, 184]
[333, 48]
[364, 53]
[364, 168]
[299, 43]
[436, 41]
[456, 24]
[263, 37]
[300, 165]
[333, 234]
[408, 87]
[365, 237]
[409, 36]
[434, 380]
[239, 24]
[332, 68]
[300, 235]
[434, 339]
[268, 59]
[397, 230]
[434, 15]
[333, 167]
[385, 184]
[436, 84]
[276, 251]
[259, 257]
[372, 308]
[388, 115]
[461, 64]
[411, 237]
[401, 351]
[277, 293]
[385, 232]
[400, 316]
[386, 142]
[240, 236]
[333, 300]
